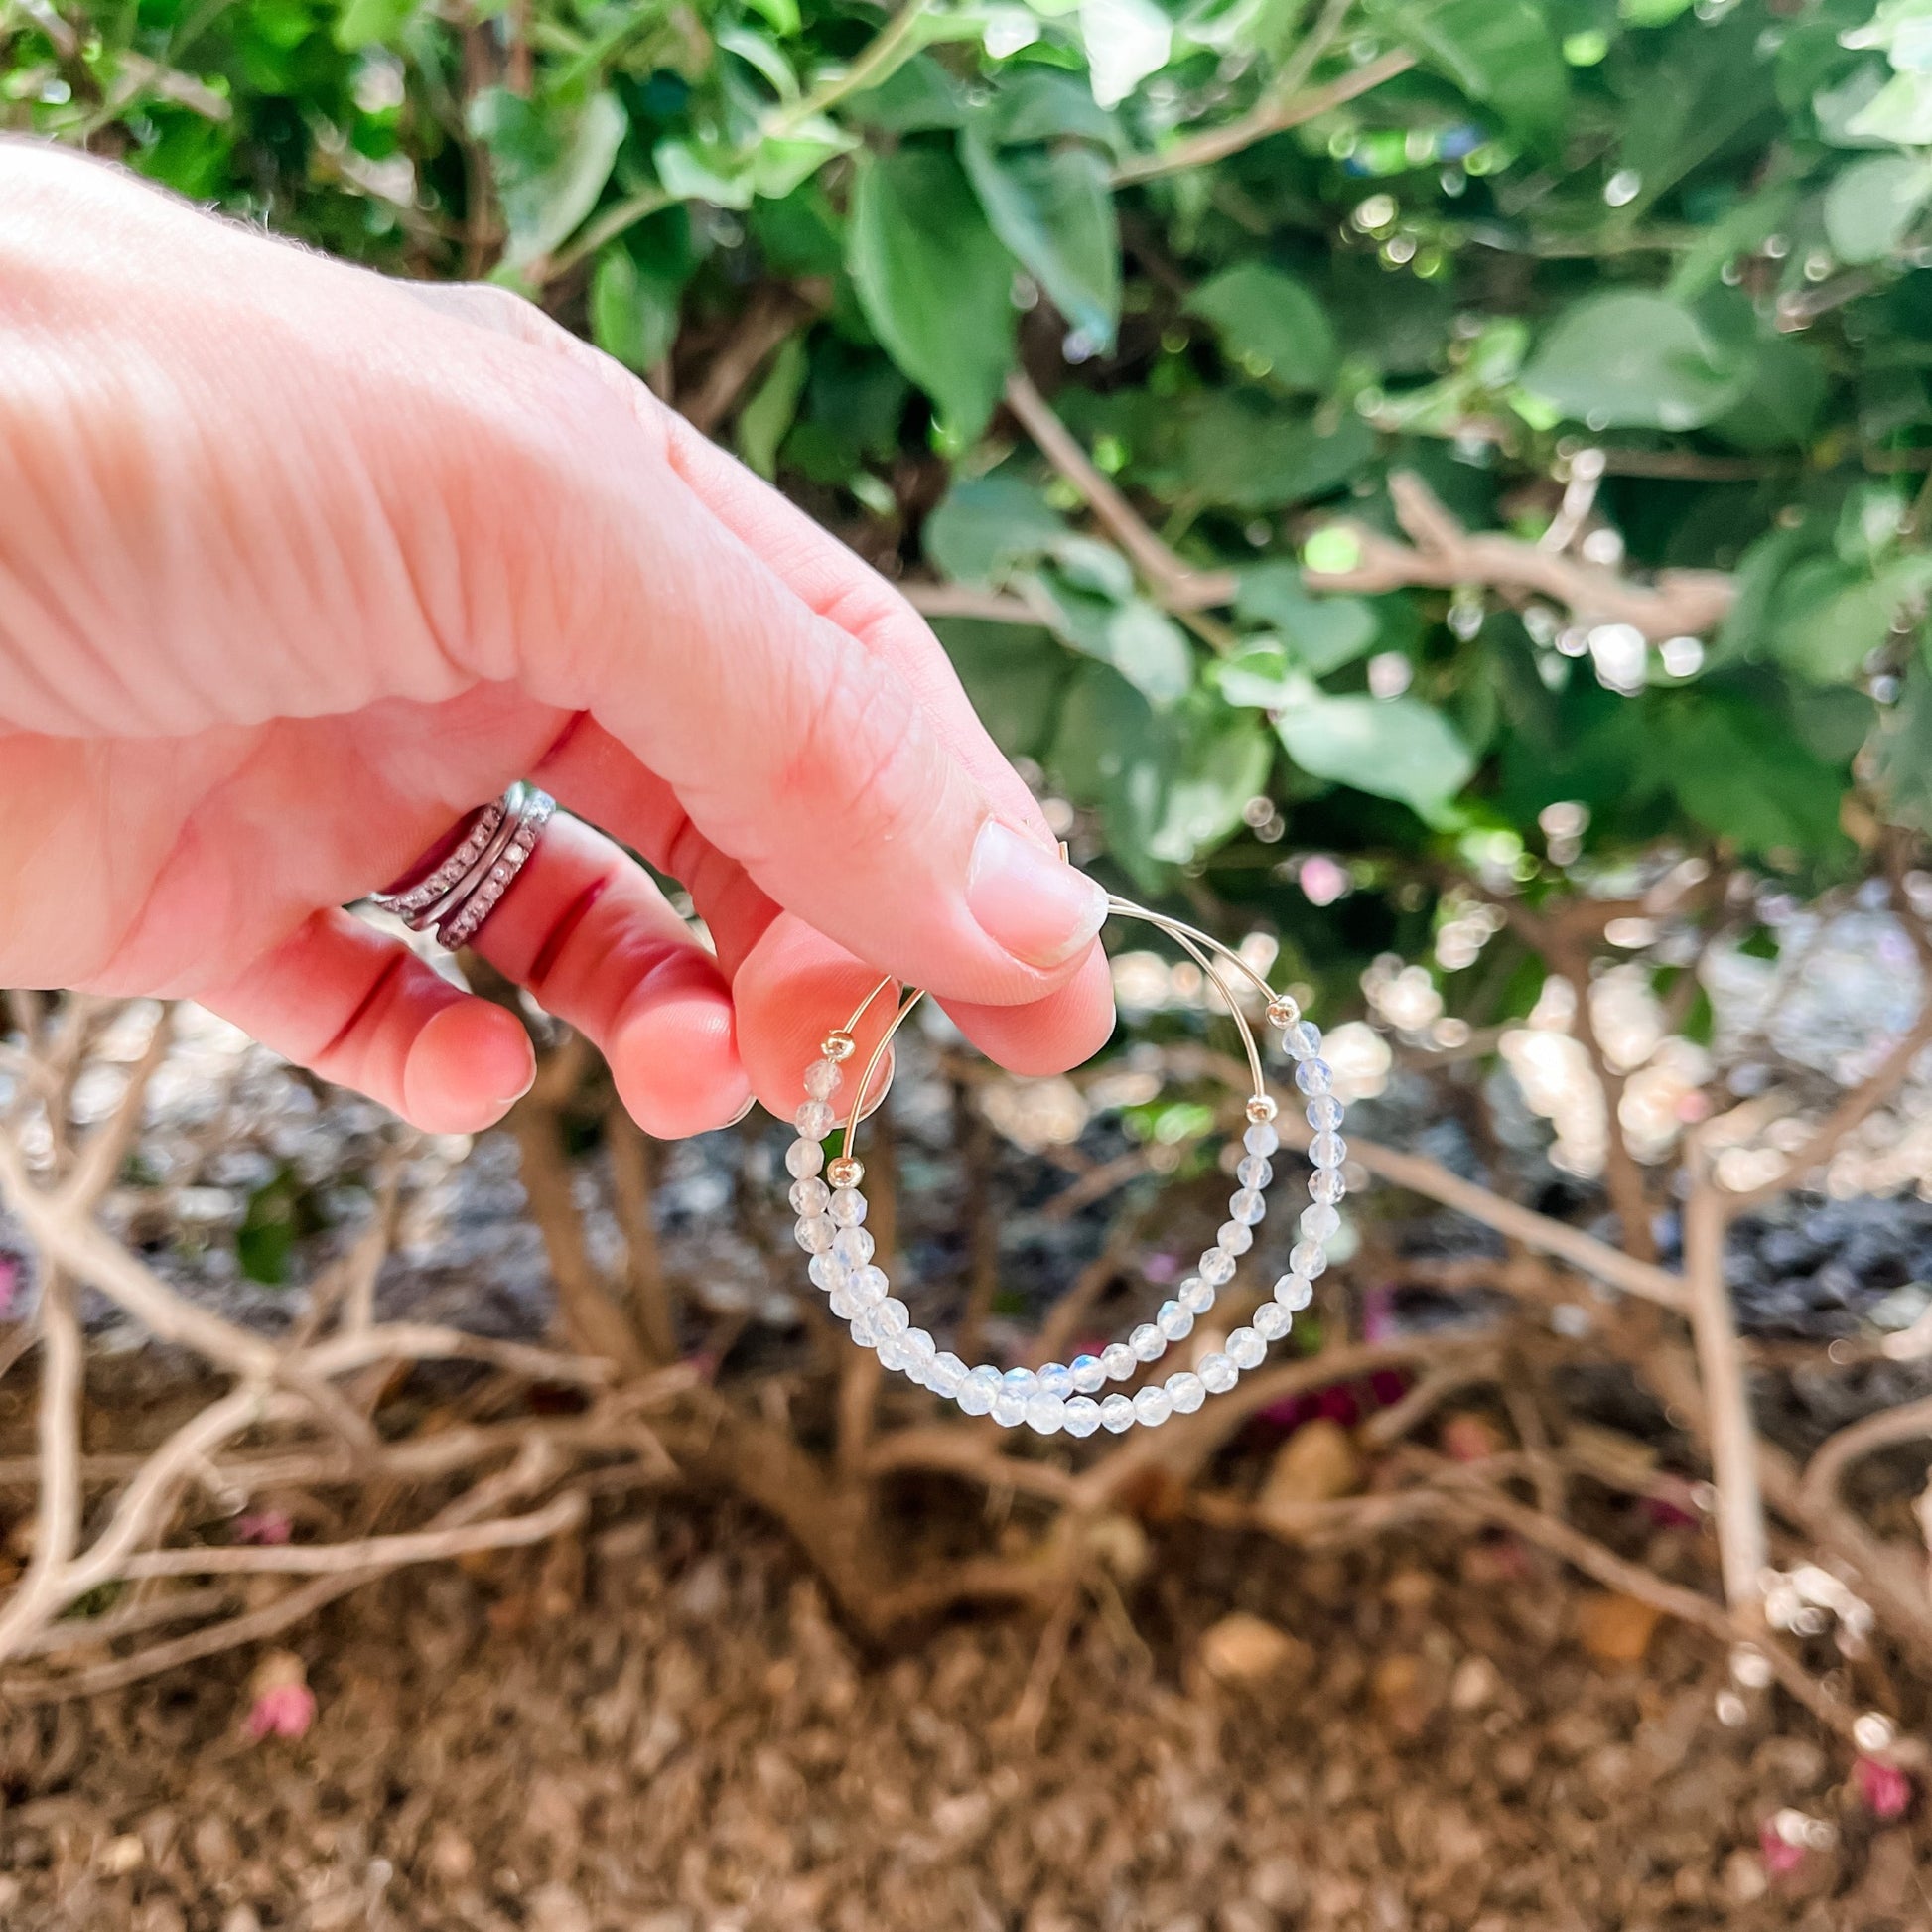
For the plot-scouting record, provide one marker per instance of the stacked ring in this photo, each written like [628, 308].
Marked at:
[454, 899]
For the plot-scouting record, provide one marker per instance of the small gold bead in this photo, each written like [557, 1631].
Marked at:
[846, 1172]
[836, 1046]
[1283, 1012]
[1261, 1109]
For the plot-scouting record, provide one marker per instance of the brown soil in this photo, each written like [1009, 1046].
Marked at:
[668, 1734]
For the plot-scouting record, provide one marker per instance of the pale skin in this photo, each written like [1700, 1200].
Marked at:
[298, 564]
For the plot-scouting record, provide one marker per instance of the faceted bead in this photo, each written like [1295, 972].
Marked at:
[1325, 1113]
[891, 1350]
[1023, 1382]
[1117, 1414]
[853, 1247]
[847, 1207]
[1293, 1293]
[1147, 1342]
[1082, 1415]
[918, 1347]
[1320, 1223]
[1195, 1295]
[803, 1159]
[1328, 1150]
[863, 1330]
[1302, 1040]
[813, 1120]
[1254, 1171]
[814, 1234]
[1326, 1185]
[1307, 1258]
[1056, 1378]
[1118, 1360]
[869, 1286]
[1186, 1391]
[1272, 1321]
[1261, 1139]
[1234, 1237]
[1315, 1077]
[1247, 1206]
[844, 1304]
[947, 1375]
[1153, 1404]
[1087, 1374]
[1217, 1267]
[822, 1080]
[1174, 1322]
[1246, 1348]
[892, 1317]
[1008, 1407]
[976, 1392]
[1217, 1373]
[810, 1197]
[1045, 1414]
[827, 1270]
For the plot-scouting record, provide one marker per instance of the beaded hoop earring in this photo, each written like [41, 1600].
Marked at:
[1061, 1396]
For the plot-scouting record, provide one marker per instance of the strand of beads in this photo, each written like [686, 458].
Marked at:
[1063, 1396]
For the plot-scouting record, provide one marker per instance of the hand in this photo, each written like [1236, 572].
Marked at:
[298, 564]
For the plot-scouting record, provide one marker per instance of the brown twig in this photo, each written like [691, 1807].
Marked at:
[771, 315]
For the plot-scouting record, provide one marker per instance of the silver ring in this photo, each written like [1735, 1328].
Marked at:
[454, 899]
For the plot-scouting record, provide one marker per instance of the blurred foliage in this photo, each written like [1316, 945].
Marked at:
[1698, 237]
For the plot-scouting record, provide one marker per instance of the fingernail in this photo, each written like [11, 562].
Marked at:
[510, 1099]
[1029, 900]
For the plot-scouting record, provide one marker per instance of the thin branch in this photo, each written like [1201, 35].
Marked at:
[1445, 556]
[1910, 1422]
[771, 315]
[989, 607]
[126, 1619]
[57, 1522]
[98, 1163]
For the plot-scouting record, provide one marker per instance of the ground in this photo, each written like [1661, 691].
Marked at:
[662, 1730]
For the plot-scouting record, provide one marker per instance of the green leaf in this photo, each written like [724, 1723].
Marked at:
[371, 23]
[1143, 643]
[1900, 111]
[1784, 396]
[1392, 748]
[1651, 13]
[636, 305]
[1036, 105]
[1244, 454]
[1870, 208]
[986, 526]
[1014, 677]
[1629, 359]
[933, 281]
[915, 98]
[1742, 775]
[768, 411]
[1053, 209]
[1904, 753]
[1502, 52]
[1325, 632]
[1271, 323]
[550, 166]
[1831, 617]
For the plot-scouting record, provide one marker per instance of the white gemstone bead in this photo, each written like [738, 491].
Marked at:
[1117, 1414]
[1247, 1206]
[1217, 1373]
[847, 1207]
[1216, 1266]
[1246, 1348]
[814, 1234]
[1318, 1222]
[1153, 1405]
[1254, 1171]
[1174, 1322]
[1328, 1150]
[1118, 1360]
[1045, 1414]
[1261, 1137]
[844, 1304]
[852, 1246]
[947, 1375]
[1089, 1374]
[976, 1392]
[813, 1120]
[1302, 1040]
[1056, 1378]
[1195, 1295]
[1082, 1415]
[803, 1159]
[863, 1332]
[1008, 1409]
[891, 1350]
[1325, 1113]
[1022, 1382]
[918, 1349]
[1307, 1258]
[1326, 1185]
[1315, 1077]
[810, 1197]
[869, 1286]
[827, 1270]
[1272, 1321]
[1186, 1391]
[822, 1080]
[1234, 1237]
[892, 1317]
[1295, 1293]
[1147, 1342]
